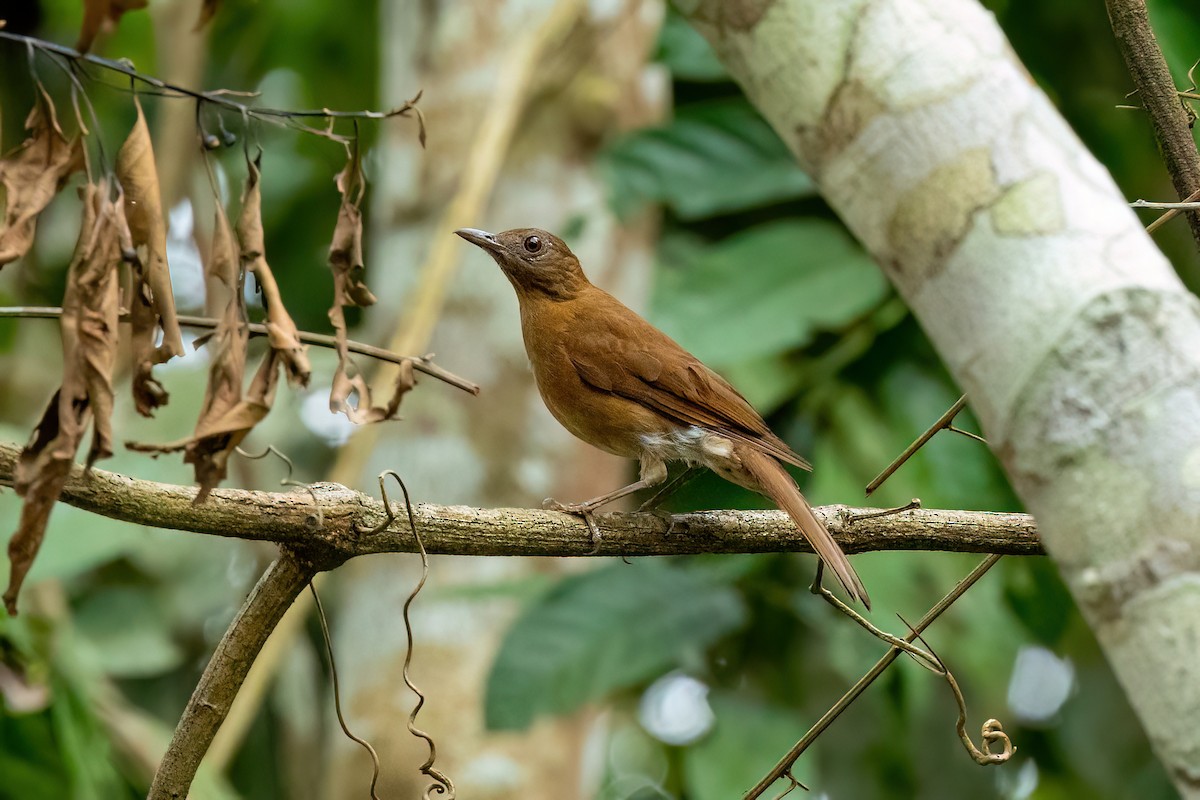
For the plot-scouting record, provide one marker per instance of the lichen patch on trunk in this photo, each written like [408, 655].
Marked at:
[1030, 207]
[933, 217]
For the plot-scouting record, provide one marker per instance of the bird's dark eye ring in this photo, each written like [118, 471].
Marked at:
[533, 244]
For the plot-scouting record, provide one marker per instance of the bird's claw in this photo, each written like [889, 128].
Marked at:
[582, 510]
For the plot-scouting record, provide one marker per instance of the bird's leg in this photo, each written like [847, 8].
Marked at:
[659, 497]
[653, 472]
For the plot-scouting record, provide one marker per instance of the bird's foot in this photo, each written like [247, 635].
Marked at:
[550, 504]
[582, 510]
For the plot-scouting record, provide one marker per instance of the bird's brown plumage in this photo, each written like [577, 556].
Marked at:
[619, 383]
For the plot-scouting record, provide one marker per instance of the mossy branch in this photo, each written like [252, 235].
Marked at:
[339, 530]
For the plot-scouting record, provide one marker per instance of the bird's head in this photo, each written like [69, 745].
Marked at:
[536, 262]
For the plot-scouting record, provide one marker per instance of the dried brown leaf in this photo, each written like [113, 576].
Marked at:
[345, 252]
[32, 175]
[282, 332]
[346, 261]
[221, 274]
[152, 302]
[102, 14]
[41, 475]
[210, 446]
[91, 312]
[348, 381]
[89, 341]
[218, 435]
[148, 392]
[208, 10]
[226, 415]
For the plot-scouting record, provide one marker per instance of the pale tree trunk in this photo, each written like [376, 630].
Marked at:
[501, 448]
[1076, 343]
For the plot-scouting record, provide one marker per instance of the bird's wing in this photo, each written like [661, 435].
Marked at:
[621, 353]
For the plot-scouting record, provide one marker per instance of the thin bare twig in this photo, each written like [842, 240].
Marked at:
[221, 98]
[318, 516]
[1170, 215]
[927, 660]
[784, 766]
[942, 422]
[975, 436]
[911, 505]
[337, 692]
[1184, 206]
[442, 785]
[420, 363]
[991, 731]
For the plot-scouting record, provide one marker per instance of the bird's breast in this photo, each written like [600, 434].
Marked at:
[605, 420]
[601, 419]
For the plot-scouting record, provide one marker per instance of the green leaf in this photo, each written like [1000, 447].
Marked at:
[603, 631]
[747, 740]
[129, 632]
[85, 749]
[686, 53]
[715, 158]
[764, 291]
[25, 762]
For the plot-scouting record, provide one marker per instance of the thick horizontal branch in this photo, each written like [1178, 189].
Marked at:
[339, 521]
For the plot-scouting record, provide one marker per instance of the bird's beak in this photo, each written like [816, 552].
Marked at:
[480, 238]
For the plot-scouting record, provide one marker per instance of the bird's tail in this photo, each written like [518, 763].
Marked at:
[774, 481]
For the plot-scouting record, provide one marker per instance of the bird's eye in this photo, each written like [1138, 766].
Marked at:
[533, 244]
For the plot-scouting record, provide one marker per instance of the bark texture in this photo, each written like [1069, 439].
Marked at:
[344, 524]
[226, 670]
[1079, 347]
[1156, 89]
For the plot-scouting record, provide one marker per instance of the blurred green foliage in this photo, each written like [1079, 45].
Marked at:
[591, 635]
[755, 275]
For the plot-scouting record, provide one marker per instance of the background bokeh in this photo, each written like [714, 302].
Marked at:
[689, 677]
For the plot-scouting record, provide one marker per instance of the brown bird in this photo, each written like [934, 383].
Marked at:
[620, 384]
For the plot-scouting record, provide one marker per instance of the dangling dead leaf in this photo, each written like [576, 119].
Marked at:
[103, 14]
[209, 447]
[345, 252]
[32, 175]
[89, 340]
[208, 10]
[152, 303]
[348, 381]
[42, 472]
[221, 275]
[218, 434]
[346, 261]
[226, 416]
[282, 332]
